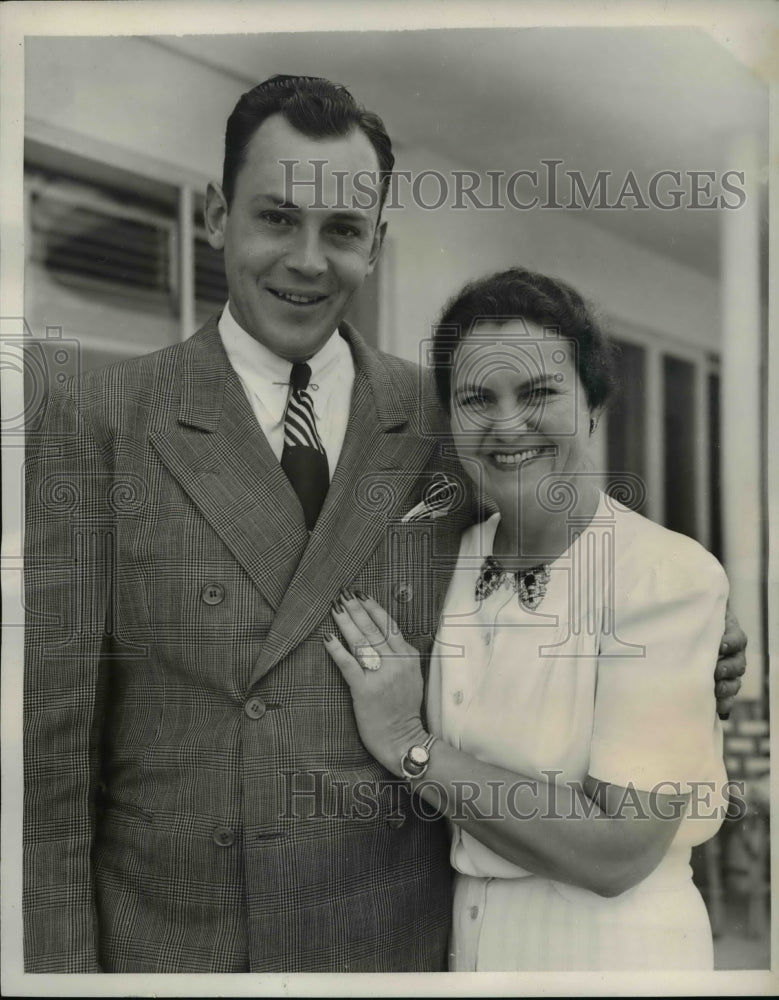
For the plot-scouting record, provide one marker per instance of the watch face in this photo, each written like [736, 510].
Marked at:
[418, 755]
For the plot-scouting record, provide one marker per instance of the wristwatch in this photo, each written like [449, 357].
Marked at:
[415, 760]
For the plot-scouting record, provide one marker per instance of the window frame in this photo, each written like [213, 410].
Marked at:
[706, 362]
[59, 149]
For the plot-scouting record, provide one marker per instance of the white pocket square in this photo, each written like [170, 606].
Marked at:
[437, 500]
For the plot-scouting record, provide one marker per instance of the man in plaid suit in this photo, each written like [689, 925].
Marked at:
[197, 798]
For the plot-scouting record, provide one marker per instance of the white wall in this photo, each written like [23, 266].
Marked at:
[438, 251]
[132, 94]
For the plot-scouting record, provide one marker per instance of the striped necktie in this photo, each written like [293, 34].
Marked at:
[304, 459]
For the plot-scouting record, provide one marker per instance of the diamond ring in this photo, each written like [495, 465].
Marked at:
[367, 657]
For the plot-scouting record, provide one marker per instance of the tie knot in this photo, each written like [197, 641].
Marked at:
[299, 375]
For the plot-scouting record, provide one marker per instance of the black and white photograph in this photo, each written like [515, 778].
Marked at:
[388, 581]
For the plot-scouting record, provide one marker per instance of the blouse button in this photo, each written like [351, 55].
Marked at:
[457, 697]
[487, 638]
[474, 912]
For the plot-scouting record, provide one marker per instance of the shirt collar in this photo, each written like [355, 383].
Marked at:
[249, 357]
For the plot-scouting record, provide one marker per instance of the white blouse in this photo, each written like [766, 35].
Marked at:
[611, 675]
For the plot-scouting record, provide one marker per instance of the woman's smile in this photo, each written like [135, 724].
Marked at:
[508, 459]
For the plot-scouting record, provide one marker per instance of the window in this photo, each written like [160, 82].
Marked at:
[679, 443]
[714, 484]
[89, 240]
[663, 428]
[103, 259]
[626, 425]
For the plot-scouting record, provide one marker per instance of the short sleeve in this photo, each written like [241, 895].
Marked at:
[655, 717]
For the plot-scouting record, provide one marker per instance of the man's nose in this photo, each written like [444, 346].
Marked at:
[305, 254]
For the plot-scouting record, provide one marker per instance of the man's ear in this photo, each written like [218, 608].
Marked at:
[215, 215]
[378, 242]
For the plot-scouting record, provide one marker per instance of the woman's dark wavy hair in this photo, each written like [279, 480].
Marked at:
[521, 294]
[312, 105]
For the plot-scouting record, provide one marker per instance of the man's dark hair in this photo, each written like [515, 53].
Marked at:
[312, 105]
[521, 294]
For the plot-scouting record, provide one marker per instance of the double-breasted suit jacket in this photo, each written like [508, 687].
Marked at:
[197, 797]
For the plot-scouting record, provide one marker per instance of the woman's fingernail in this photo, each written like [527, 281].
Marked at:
[724, 716]
[338, 607]
[347, 594]
[361, 595]
[329, 636]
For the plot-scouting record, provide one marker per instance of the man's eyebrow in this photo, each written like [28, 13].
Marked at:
[276, 200]
[352, 215]
[343, 213]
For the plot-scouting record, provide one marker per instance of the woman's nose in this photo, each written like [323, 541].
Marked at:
[512, 416]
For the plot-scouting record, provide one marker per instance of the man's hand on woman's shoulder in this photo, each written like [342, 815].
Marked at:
[731, 664]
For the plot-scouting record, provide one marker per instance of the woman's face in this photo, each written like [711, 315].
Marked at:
[519, 411]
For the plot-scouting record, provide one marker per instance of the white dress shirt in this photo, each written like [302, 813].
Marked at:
[265, 379]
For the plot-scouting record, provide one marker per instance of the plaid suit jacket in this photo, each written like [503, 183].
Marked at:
[197, 798]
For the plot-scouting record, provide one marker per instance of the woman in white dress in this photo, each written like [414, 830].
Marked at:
[573, 739]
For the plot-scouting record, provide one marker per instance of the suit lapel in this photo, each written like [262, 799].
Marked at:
[220, 457]
[215, 450]
[381, 461]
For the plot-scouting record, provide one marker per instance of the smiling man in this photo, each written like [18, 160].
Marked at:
[197, 797]
[293, 267]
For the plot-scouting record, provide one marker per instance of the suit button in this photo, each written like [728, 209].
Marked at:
[212, 593]
[223, 836]
[255, 708]
[457, 697]
[402, 593]
[395, 822]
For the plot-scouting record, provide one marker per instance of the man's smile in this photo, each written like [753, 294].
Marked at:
[297, 298]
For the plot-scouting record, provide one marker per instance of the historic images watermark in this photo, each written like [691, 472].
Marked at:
[43, 363]
[549, 185]
[319, 794]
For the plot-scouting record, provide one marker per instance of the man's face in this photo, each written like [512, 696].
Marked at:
[292, 271]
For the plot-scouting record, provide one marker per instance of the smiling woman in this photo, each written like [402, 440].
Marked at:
[519, 418]
[574, 631]
[532, 371]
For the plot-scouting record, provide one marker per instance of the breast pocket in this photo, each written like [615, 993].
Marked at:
[402, 576]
